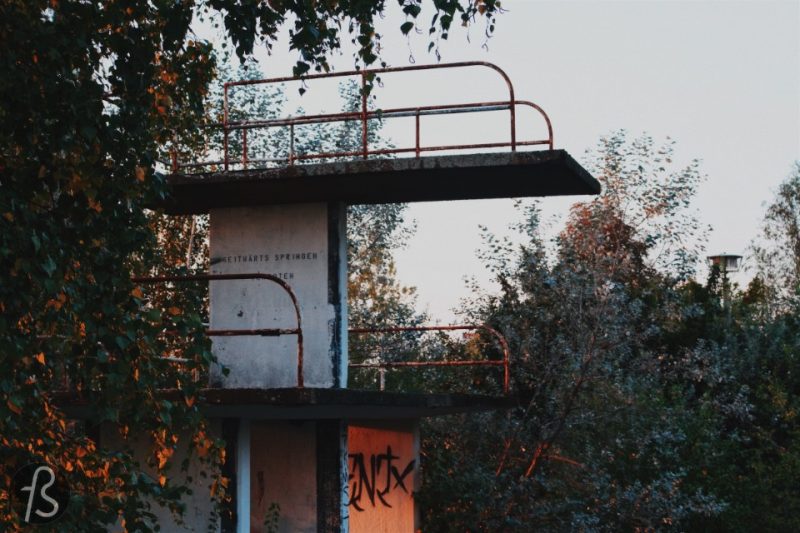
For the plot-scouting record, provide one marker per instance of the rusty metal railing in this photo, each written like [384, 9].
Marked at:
[364, 115]
[383, 365]
[264, 332]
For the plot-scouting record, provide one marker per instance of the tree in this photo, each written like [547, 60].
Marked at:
[592, 444]
[646, 402]
[90, 95]
[748, 381]
[777, 252]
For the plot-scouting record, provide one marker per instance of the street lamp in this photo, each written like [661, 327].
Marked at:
[725, 262]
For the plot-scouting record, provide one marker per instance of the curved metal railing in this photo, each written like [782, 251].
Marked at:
[504, 362]
[364, 115]
[264, 332]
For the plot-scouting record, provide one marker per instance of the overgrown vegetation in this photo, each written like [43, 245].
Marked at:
[648, 400]
[91, 95]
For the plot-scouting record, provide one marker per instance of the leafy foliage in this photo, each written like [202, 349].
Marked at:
[777, 252]
[591, 444]
[647, 400]
[91, 95]
[650, 198]
[88, 94]
[318, 28]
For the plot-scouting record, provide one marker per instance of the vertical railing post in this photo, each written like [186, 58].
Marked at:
[225, 126]
[417, 134]
[364, 113]
[291, 144]
[300, 377]
[513, 105]
[244, 148]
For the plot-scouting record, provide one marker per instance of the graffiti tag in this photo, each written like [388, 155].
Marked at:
[376, 479]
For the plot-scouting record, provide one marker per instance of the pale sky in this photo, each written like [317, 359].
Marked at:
[722, 78]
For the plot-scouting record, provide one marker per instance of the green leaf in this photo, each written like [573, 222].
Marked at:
[301, 68]
[49, 266]
[412, 9]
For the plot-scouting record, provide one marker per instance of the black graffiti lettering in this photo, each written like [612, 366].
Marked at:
[388, 457]
[401, 477]
[357, 469]
[364, 482]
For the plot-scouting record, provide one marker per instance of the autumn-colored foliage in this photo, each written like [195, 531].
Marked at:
[92, 94]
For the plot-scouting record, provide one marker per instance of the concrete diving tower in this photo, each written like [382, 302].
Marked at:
[299, 436]
[332, 458]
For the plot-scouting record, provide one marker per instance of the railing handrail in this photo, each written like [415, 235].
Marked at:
[364, 115]
[272, 332]
[505, 362]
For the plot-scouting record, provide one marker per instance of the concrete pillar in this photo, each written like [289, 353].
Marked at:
[304, 245]
[298, 476]
[332, 494]
[243, 506]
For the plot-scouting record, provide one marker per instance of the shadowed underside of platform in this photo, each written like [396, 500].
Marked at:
[315, 404]
[374, 181]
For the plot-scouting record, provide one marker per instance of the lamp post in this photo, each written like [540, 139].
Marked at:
[725, 263]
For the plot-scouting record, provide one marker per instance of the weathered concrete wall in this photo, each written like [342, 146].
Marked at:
[304, 245]
[283, 471]
[383, 476]
[199, 508]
